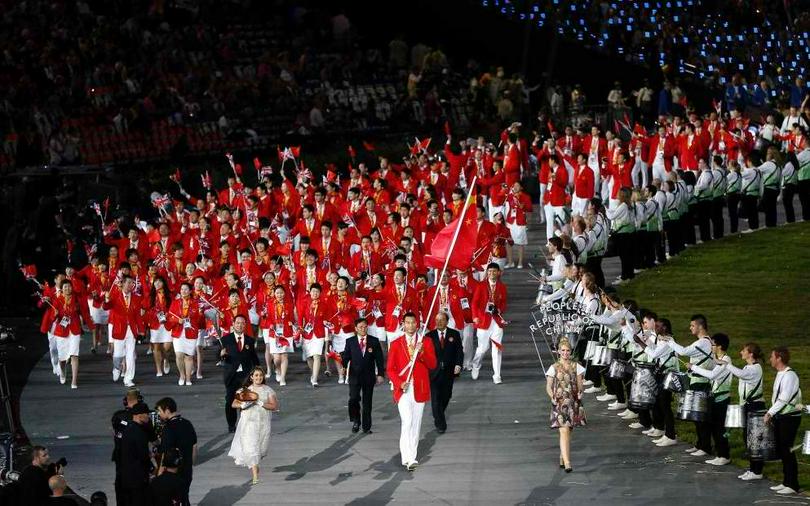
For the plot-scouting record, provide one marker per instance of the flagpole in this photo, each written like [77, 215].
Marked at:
[423, 328]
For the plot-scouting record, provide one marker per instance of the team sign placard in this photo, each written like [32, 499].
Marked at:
[561, 317]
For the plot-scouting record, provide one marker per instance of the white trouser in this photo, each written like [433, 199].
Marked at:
[578, 206]
[495, 333]
[53, 350]
[659, 171]
[124, 350]
[550, 212]
[410, 413]
[467, 343]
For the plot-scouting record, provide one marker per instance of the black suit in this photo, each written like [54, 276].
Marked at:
[366, 365]
[448, 355]
[235, 378]
[136, 465]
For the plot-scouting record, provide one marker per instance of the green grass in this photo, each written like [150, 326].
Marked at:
[754, 287]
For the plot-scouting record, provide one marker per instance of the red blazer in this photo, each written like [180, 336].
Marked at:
[374, 299]
[398, 359]
[468, 290]
[316, 317]
[76, 311]
[519, 205]
[454, 296]
[151, 316]
[194, 315]
[282, 315]
[669, 150]
[123, 317]
[358, 264]
[409, 303]
[583, 182]
[482, 298]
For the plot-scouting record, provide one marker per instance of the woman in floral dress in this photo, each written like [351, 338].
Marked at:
[564, 388]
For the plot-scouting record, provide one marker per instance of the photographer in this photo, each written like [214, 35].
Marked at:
[170, 488]
[33, 483]
[178, 434]
[59, 497]
[135, 463]
[120, 420]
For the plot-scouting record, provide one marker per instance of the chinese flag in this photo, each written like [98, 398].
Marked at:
[461, 256]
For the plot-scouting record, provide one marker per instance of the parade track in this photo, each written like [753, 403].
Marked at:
[498, 448]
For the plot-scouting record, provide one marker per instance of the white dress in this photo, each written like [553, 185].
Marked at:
[251, 442]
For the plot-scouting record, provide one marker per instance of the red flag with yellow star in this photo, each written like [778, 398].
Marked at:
[461, 256]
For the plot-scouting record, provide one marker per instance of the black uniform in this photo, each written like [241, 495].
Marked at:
[449, 354]
[120, 420]
[366, 364]
[237, 366]
[179, 433]
[135, 465]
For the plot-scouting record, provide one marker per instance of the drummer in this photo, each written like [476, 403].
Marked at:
[633, 351]
[591, 306]
[612, 320]
[699, 353]
[750, 390]
[661, 354]
[785, 414]
[721, 395]
[644, 416]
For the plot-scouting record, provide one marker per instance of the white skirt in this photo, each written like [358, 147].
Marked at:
[339, 341]
[185, 345]
[161, 335]
[98, 315]
[518, 234]
[272, 343]
[313, 346]
[68, 346]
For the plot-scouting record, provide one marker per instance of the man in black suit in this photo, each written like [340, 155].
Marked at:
[363, 358]
[449, 359]
[239, 358]
[136, 461]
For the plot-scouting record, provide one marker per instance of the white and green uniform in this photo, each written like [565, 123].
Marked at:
[699, 354]
[671, 211]
[612, 323]
[720, 378]
[583, 244]
[750, 387]
[733, 183]
[789, 175]
[787, 395]
[703, 187]
[718, 183]
[803, 157]
[751, 182]
[598, 237]
[621, 219]
[662, 355]
[770, 176]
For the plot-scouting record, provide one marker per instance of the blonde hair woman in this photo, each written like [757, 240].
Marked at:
[564, 388]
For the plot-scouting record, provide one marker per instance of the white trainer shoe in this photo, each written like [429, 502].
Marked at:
[592, 390]
[692, 450]
[656, 433]
[777, 488]
[699, 453]
[617, 406]
[786, 491]
[635, 425]
[748, 476]
[587, 383]
[605, 397]
[665, 441]
[718, 461]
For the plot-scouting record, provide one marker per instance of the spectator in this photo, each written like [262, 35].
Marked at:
[58, 497]
[644, 99]
[665, 99]
[615, 98]
[798, 91]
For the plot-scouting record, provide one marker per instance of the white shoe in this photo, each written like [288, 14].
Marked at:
[159, 375]
[74, 386]
[748, 476]
[167, 366]
[692, 450]
[659, 440]
[181, 382]
[475, 371]
[519, 266]
[718, 461]
[635, 425]
[592, 390]
[587, 383]
[617, 406]
[624, 413]
[786, 491]
[743, 475]
[128, 383]
[116, 375]
[282, 383]
[188, 383]
[777, 488]
[605, 397]
[656, 432]
[649, 431]
[699, 453]
[667, 442]
[497, 380]
[278, 378]
[62, 378]
[629, 416]
[340, 380]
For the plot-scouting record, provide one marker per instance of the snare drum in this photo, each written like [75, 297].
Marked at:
[644, 388]
[694, 406]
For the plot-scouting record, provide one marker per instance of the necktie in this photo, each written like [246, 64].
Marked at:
[362, 344]
[441, 338]
[239, 343]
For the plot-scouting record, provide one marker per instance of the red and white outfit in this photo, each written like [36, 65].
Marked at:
[185, 321]
[410, 403]
[517, 205]
[278, 333]
[489, 326]
[156, 320]
[312, 314]
[64, 323]
[125, 322]
[401, 299]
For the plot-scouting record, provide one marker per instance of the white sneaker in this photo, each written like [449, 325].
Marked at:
[659, 440]
[181, 382]
[278, 378]
[656, 432]
[743, 475]
[748, 476]
[605, 397]
[116, 375]
[617, 406]
[648, 432]
[128, 384]
[497, 380]
[665, 441]
[74, 386]
[635, 425]
[718, 461]
[587, 383]
[188, 383]
[167, 366]
[624, 413]
[592, 390]
[692, 450]
[699, 453]
[159, 375]
[475, 371]
[786, 491]
[282, 383]
[630, 416]
[777, 488]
